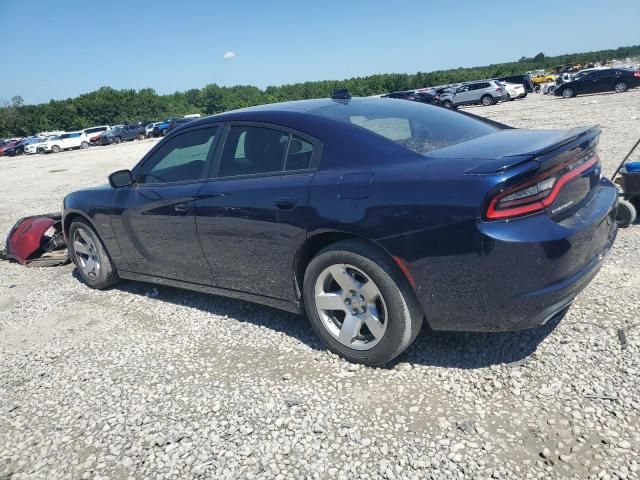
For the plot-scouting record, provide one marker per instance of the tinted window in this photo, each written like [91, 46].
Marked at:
[416, 126]
[251, 150]
[299, 154]
[180, 159]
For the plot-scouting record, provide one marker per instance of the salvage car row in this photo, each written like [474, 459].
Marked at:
[491, 91]
[54, 142]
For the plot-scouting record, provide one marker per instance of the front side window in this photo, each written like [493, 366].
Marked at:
[182, 158]
[250, 150]
[416, 126]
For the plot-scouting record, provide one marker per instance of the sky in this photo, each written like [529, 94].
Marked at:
[60, 49]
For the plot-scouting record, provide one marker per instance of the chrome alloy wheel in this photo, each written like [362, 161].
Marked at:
[86, 253]
[351, 306]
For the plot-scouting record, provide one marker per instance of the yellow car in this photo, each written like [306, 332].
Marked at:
[538, 79]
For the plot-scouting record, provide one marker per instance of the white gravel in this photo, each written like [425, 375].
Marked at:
[153, 382]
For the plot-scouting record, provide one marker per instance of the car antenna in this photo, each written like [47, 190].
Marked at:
[341, 94]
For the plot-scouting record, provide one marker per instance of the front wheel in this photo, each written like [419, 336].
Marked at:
[87, 252]
[118, 140]
[568, 93]
[359, 303]
[487, 100]
[55, 149]
[141, 136]
[164, 132]
[447, 104]
[621, 87]
[84, 145]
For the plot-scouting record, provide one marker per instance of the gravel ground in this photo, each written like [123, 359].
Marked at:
[153, 382]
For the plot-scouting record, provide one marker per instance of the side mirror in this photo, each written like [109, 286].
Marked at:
[121, 178]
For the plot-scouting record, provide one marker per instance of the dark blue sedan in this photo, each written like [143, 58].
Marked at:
[372, 215]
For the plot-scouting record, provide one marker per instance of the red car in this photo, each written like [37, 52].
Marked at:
[9, 144]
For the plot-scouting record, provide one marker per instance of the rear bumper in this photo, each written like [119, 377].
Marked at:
[518, 274]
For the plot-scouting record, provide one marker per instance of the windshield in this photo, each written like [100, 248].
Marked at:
[416, 126]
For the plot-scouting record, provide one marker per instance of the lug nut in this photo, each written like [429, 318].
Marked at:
[364, 308]
[348, 301]
[354, 311]
[352, 293]
[362, 298]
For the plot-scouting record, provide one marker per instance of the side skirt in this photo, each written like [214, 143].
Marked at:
[280, 304]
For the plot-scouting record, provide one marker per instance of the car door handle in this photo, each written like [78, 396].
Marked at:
[182, 209]
[285, 203]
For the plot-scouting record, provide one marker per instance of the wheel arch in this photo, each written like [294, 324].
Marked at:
[68, 219]
[321, 240]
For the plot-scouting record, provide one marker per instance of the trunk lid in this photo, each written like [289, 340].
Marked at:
[508, 148]
[534, 170]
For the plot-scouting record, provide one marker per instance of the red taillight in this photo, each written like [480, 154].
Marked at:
[636, 74]
[537, 194]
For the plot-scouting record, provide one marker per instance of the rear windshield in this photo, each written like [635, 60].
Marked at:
[416, 126]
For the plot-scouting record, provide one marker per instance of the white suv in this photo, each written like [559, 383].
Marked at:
[66, 141]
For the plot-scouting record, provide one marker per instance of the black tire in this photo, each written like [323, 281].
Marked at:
[487, 100]
[107, 274]
[118, 140]
[568, 92]
[405, 315]
[620, 87]
[164, 132]
[141, 136]
[55, 149]
[625, 214]
[524, 95]
[84, 145]
[447, 104]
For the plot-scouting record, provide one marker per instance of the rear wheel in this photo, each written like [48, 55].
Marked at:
[447, 104]
[625, 214]
[55, 149]
[568, 93]
[487, 100]
[141, 136]
[84, 145]
[621, 87]
[359, 304]
[86, 250]
[118, 140]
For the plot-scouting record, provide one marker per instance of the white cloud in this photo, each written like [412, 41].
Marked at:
[229, 55]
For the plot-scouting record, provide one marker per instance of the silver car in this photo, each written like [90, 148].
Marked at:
[484, 92]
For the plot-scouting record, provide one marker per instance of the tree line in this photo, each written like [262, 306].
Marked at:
[107, 106]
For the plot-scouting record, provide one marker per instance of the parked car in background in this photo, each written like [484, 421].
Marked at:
[125, 133]
[543, 78]
[8, 145]
[514, 90]
[486, 92]
[372, 215]
[94, 132]
[166, 126]
[15, 149]
[524, 80]
[66, 141]
[148, 130]
[617, 80]
[32, 147]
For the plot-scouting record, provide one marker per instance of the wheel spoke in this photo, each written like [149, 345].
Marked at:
[342, 278]
[84, 236]
[330, 301]
[373, 323]
[350, 328]
[80, 247]
[369, 290]
[89, 265]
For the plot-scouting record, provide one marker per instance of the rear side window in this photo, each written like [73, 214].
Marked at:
[182, 158]
[299, 154]
[414, 125]
[251, 150]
